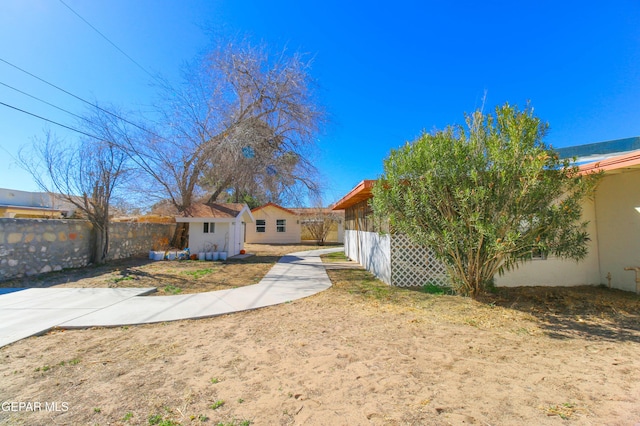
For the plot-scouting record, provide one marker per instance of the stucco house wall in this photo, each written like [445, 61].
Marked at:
[271, 213]
[614, 230]
[617, 205]
[558, 272]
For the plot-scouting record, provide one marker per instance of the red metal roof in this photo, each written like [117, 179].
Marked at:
[630, 160]
[360, 193]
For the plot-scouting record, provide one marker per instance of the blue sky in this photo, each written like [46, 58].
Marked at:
[387, 71]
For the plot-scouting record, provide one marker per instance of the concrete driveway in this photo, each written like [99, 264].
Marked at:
[28, 312]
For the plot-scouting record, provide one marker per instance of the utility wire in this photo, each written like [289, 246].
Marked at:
[43, 101]
[52, 85]
[81, 99]
[109, 41]
[50, 121]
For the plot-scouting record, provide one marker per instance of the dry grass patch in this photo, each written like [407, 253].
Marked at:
[560, 312]
[430, 308]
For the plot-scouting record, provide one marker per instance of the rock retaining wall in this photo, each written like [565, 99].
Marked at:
[36, 246]
[132, 239]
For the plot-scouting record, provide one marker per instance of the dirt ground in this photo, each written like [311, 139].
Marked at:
[360, 353]
[170, 277]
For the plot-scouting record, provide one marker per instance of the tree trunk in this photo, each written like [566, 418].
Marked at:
[219, 190]
[99, 243]
[180, 237]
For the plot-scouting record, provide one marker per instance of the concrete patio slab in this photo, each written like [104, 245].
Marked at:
[295, 276]
[26, 312]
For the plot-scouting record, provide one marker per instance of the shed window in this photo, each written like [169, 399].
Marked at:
[209, 228]
[281, 225]
[261, 225]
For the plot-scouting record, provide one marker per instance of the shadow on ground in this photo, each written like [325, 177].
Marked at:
[259, 259]
[584, 311]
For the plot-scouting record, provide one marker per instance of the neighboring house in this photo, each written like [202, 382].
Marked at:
[217, 226]
[614, 228]
[274, 224]
[25, 204]
[279, 225]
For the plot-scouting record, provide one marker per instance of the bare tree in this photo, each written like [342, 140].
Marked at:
[319, 222]
[85, 174]
[242, 123]
[274, 119]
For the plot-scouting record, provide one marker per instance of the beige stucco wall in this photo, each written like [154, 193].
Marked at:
[615, 241]
[270, 214]
[617, 197]
[558, 272]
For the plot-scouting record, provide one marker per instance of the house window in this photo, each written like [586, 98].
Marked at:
[538, 255]
[209, 228]
[261, 225]
[281, 225]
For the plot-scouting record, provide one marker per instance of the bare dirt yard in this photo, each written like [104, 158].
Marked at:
[360, 353]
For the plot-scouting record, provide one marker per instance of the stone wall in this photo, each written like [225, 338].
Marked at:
[132, 239]
[35, 246]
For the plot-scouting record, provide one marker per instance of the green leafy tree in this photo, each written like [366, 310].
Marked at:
[485, 197]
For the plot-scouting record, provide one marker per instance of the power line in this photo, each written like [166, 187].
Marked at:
[43, 101]
[50, 121]
[50, 84]
[109, 41]
[61, 89]
[81, 99]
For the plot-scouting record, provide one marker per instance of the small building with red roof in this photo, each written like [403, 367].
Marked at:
[217, 227]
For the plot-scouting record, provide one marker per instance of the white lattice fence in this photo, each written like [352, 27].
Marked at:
[415, 265]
